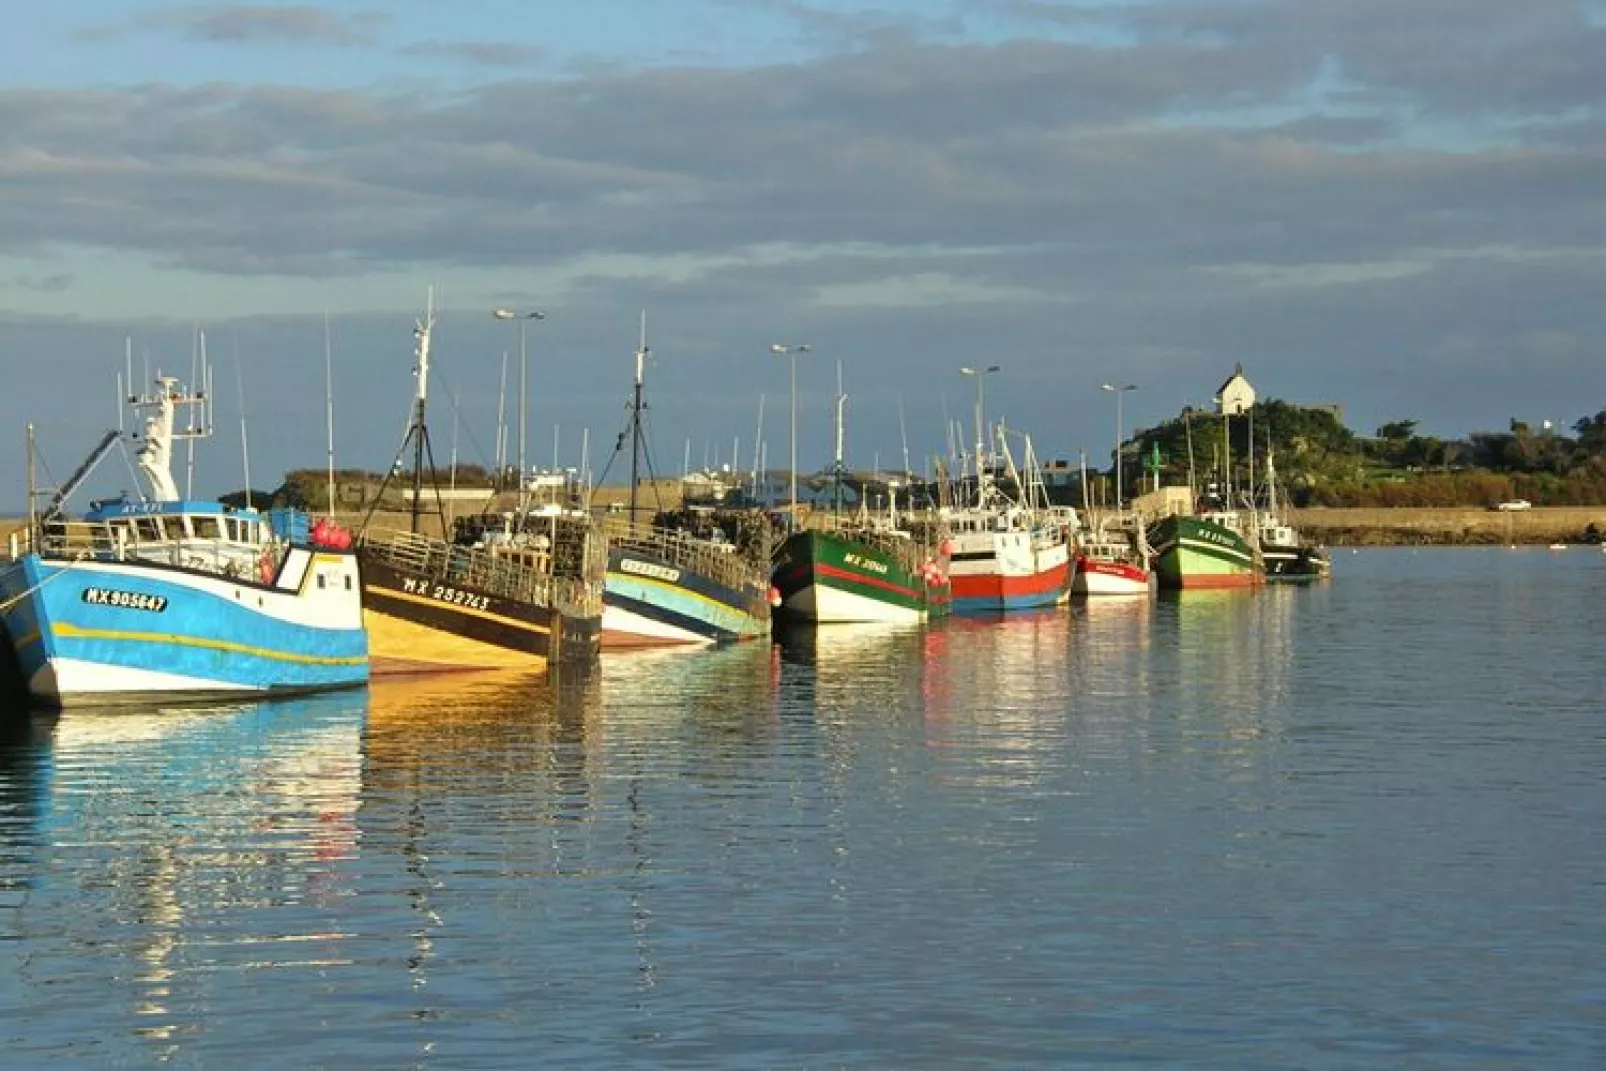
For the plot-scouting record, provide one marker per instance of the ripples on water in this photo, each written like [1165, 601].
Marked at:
[1350, 825]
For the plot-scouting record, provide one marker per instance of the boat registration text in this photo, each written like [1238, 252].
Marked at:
[127, 600]
[441, 592]
[657, 572]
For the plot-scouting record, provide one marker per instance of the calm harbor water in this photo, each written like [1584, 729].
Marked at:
[1354, 825]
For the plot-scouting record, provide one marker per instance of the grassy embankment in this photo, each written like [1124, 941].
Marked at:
[1447, 526]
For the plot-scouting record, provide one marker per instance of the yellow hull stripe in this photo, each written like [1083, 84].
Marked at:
[442, 604]
[409, 643]
[66, 629]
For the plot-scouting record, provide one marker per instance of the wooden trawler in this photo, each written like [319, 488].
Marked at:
[516, 591]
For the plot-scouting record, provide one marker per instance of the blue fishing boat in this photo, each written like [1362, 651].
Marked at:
[689, 576]
[168, 596]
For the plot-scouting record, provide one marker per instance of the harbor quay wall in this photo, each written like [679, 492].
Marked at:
[1455, 526]
[1334, 526]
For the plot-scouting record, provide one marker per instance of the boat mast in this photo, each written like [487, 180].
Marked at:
[841, 402]
[636, 408]
[1226, 457]
[1087, 506]
[1187, 430]
[419, 432]
[329, 413]
[758, 447]
[1271, 482]
[903, 434]
[1249, 469]
[501, 427]
[33, 490]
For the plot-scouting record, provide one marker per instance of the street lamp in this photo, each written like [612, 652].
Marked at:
[981, 374]
[1120, 433]
[523, 318]
[791, 351]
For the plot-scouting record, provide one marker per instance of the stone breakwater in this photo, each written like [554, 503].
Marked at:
[1451, 526]
[1338, 527]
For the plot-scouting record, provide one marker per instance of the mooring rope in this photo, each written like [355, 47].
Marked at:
[9, 603]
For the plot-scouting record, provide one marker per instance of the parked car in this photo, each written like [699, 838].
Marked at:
[1513, 504]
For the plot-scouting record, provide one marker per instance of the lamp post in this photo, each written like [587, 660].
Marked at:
[1120, 433]
[781, 349]
[523, 318]
[981, 375]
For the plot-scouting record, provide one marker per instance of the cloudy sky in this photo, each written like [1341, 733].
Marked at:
[1396, 205]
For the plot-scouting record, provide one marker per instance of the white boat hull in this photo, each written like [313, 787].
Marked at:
[1093, 578]
[828, 605]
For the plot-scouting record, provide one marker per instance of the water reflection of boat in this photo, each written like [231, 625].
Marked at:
[1232, 647]
[186, 842]
[1113, 621]
[24, 751]
[1020, 664]
[803, 643]
[446, 732]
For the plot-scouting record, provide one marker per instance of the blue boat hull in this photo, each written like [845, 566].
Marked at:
[101, 631]
[648, 602]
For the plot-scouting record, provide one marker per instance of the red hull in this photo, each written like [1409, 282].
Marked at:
[1037, 589]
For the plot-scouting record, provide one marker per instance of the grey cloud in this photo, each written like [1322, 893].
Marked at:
[1338, 129]
[44, 284]
[966, 145]
[477, 53]
[1464, 57]
[265, 24]
[1224, 187]
[864, 28]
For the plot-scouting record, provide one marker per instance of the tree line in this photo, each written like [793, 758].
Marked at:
[1320, 462]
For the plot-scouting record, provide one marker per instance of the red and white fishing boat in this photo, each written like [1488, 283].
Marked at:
[1009, 553]
[1111, 559]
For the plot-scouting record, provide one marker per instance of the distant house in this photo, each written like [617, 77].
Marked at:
[708, 487]
[1236, 396]
[773, 490]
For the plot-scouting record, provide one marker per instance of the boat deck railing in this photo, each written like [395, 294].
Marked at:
[521, 574]
[912, 542]
[721, 563]
[63, 540]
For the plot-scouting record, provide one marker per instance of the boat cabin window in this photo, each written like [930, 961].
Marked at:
[146, 529]
[207, 527]
[174, 528]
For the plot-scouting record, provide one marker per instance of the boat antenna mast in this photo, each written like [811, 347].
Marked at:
[758, 449]
[159, 433]
[417, 435]
[637, 406]
[836, 467]
[636, 431]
